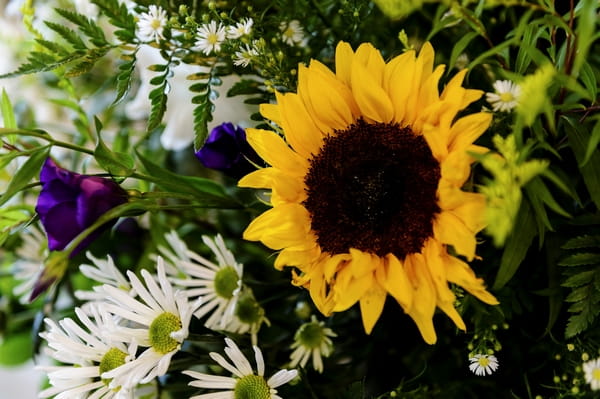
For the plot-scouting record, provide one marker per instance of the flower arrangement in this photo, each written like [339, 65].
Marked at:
[309, 184]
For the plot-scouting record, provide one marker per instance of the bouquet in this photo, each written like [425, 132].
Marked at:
[301, 199]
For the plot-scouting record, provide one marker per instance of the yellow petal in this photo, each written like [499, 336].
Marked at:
[393, 278]
[343, 62]
[285, 188]
[428, 94]
[458, 272]
[283, 226]
[467, 129]
[271, 112]
[370, 58]
[450, 310]
[450, 229]
[348, 290]
[300, 130]
[373, 101]
[396, 74]
[456, 168]
[424, 300]
[333, 264]
[270, 147]
[288, 257]
[363, 263]
[331, 100]
[371, 306]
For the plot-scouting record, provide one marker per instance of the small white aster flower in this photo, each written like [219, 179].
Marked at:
[591, 370]
[90, 352]
[152, 24]
[102, 271]
[30, 263]
[218, 283]
[312, 340]
[210, 37]
[158, 321]
[292, 33]
[244, 383]
[244, 56]
[483, 364]
[242, 28]
[506, 96]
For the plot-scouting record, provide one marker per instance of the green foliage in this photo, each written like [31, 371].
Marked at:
[23, 176]
[582, 276]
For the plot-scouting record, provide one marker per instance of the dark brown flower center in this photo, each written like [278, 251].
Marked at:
[373, 187]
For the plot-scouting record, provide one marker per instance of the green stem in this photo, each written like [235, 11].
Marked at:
[45, 136]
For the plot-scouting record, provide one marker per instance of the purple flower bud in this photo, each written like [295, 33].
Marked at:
[70, 202]
[227, 150]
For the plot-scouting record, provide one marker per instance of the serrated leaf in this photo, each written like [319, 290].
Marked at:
[517, 245]
[26, 172]
[580, 322]
[53, 47]
[158, 101]
[86, 25]
[580, 259]
[579, 279]
[124, 79]
[585, 241]
[578, 294]
[69, 35]
[119, 16]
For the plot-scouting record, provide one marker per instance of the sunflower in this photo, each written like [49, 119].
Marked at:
[366, 185]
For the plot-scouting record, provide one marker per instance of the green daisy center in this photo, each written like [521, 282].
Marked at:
[226, 282]
[248, 310]
[596, 374]
[483, 361]
[310, 335]
[252, 387]
[112, 359]
[160, 332]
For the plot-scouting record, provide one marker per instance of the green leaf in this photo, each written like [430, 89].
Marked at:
[8, 117]
[592, 143]
[517, 245]
[205, 191]
[589, 80]
[158, 100]
[116, 163]
[586, 25]
[579, 279]
[580, 322]
[69, 35]
[86, 25]
[16, 349]
[579, 138]
[119, 16]
[585, 241]
[124, 78]
[580, 258]
[459, 47]
[30, 168]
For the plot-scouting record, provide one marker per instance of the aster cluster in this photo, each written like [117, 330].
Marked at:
[302, 198]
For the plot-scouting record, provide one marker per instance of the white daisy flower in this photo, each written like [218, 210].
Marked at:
[483, 364]
[151, 24]
[90, 352]
[242, 28]
[159, 322]
[102, 271]
[30, 263]
[244, 383]
[591, 370]
[292, 33]
[210, 37]
[312, 340]
[218, 283]
[506, 96]
[244, 56]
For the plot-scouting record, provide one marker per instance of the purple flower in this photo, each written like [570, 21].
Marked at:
[227, 150]
[70, 202]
